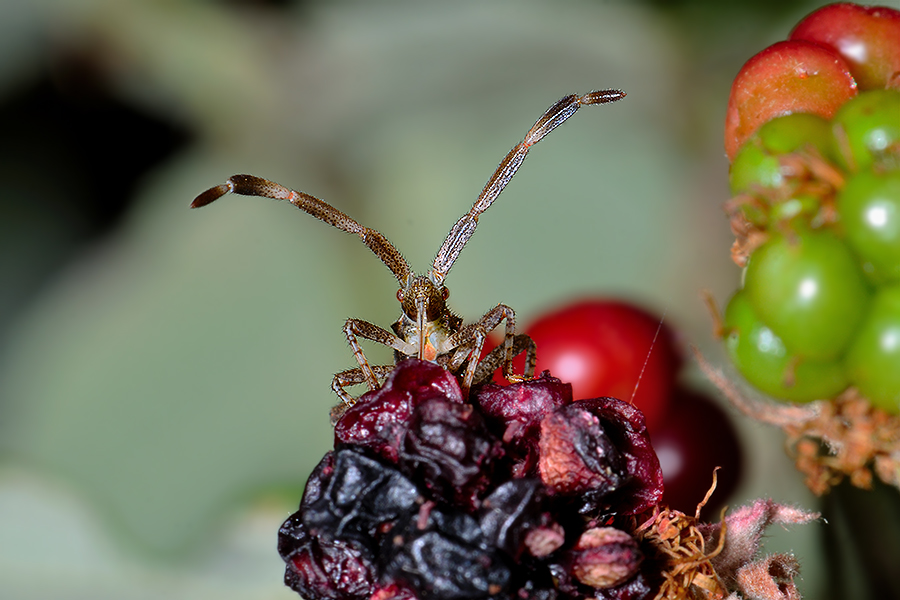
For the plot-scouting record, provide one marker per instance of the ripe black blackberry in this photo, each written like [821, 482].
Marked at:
[516, 495]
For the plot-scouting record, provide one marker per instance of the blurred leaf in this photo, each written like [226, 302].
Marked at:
[161, 375]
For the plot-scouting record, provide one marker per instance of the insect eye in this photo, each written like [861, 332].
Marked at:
[446, 293]
[400, 295]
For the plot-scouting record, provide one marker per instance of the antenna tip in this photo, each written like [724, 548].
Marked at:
[601, 96]
[210, 195]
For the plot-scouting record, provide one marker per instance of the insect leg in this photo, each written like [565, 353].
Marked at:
[369, 331]
[491, 362]
[475, 335]
[352, 377]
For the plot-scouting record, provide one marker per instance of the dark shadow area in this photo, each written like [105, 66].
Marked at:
[71, 156]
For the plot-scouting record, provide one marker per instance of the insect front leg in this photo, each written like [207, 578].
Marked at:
[491, 362]
[352, 377]
[471, 338]
[366, 330]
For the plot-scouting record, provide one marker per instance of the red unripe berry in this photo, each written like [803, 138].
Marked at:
[697, 437]
[609, 348]
[867, 37]
[786, 77]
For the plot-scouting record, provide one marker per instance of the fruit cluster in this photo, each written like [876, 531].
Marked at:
[519, 493]
[813, 133]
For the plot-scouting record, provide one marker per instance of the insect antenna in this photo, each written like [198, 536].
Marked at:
[463, 229]
[250, 185]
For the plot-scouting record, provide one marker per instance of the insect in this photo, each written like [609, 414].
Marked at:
[427, 329]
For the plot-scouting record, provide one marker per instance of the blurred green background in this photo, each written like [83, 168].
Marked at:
[165, 373]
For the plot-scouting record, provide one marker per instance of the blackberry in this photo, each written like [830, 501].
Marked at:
[359, 497]
[516, 412]
[325, 568]
[444, 555]
[512, 512]
[428, 497]
[380, 419]
[449, 450]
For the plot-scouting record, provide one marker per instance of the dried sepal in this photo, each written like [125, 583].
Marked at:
[742, 531]
[851, 439]
[684, 554]
[830, 440]
[715, 561]
[748, 237]
[805, 173]
[771, 578]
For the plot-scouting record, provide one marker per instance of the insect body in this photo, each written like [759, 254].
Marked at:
[426, 328]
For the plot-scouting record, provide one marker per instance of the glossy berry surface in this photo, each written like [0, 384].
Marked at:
[810, 291]
[786, 77]
[696, 437]
[602, 347]
[873, 360]
[867, 37]
[762, 358]
[867, 130]
[869, 208]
